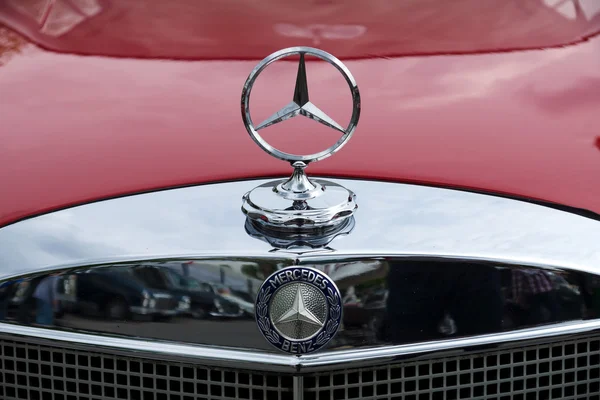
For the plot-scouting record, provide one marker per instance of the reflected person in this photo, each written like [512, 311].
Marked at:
[6, 291]
[536, 295]
[46, 298]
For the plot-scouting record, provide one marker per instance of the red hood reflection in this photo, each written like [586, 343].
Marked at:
[76, 129]
[225, 29]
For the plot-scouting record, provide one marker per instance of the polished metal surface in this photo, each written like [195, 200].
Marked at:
[300, 104]
[204, 221]
[298, 211]
[314, 221]
[262, 361]
[292, 317]
[317, 239]
[440, 276]
[299, 309]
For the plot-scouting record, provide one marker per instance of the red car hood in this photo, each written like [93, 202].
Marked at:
[79, 128]
[251, 29]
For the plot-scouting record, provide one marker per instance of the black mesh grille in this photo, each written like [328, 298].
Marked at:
[565, 370]
[31, 371]
[166, 303]
[559, 370]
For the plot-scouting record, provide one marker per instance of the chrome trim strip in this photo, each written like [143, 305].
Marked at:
[291, 364]
[298, 389]
[319, 256]
[154, 349]
[389, 354]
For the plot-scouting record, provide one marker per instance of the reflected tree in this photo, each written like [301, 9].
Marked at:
[10, 44]
[252, 271]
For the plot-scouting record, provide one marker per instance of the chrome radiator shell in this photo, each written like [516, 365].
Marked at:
[459, 249]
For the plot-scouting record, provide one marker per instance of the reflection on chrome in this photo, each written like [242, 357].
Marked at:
[450, 269]
[435, 285]
[211, 301]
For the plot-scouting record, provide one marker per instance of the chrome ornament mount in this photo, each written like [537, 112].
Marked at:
[299, 211]
[298, 309]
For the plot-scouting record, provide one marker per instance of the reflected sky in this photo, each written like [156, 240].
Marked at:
[392, 219]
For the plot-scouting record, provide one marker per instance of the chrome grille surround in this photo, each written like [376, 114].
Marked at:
[424, 224]
[475, 232]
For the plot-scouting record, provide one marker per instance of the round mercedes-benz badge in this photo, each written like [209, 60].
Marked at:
[298, 309]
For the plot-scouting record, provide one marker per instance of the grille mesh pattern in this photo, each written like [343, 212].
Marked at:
[560, 370]
[564, 370]
[31, 371]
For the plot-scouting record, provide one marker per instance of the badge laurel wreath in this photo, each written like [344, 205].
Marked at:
[334, 316]
[263, 321]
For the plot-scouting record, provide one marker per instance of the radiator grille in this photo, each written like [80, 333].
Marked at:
[564, 370]
[560, 370]
[166, 303]
[30, 371]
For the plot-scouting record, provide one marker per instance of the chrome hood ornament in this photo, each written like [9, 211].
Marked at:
[299, 211]
[298, 309]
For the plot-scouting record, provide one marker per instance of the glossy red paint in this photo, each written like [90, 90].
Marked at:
[251, 29]
[76, 129]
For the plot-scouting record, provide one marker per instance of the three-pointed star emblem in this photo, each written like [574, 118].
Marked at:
[300, 105]
[299, 312]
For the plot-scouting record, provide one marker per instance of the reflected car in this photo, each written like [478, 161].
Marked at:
[19, 305]
[203, 301]
[117, 296]
[228, 294]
